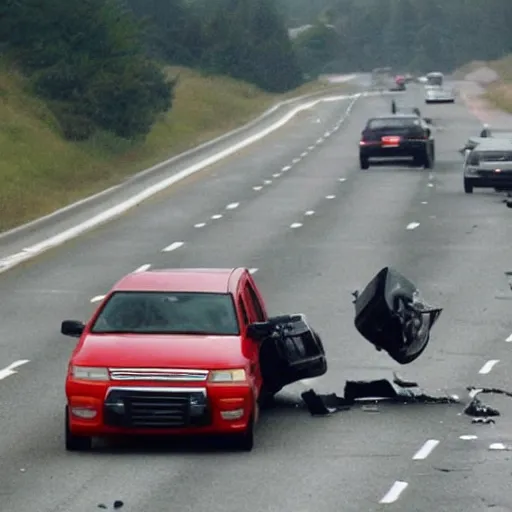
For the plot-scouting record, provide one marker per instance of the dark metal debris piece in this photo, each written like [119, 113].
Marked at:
[323, 405]
[490, 391]
[402, 382]
[391, 314]
[479, 410]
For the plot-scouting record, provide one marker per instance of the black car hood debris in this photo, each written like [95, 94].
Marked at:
[391, 314]
[398, 391]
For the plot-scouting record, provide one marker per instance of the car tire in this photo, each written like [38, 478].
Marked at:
[468, 186]
[364, 163]
[244, 442]
[73, 442]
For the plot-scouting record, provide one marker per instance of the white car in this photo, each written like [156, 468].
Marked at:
[439, 95]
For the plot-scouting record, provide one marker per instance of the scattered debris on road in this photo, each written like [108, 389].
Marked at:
[117, 505]
[398, 391]
[479, 410]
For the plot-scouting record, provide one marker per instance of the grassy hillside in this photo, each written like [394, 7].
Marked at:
[40, 172]
[499, 93]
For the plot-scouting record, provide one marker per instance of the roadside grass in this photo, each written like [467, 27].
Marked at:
[40, 172]
[499, 93]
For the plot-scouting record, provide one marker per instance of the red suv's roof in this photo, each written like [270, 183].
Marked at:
[212, 280]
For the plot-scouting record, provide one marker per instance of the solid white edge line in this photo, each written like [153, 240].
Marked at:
[426, 449]
[110, 213]
[394, 493]
[488, 366]
[11, 369]
[173, 246]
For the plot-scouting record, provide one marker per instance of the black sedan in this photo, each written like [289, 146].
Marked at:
[397, 137]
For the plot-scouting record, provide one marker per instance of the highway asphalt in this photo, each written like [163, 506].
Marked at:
[296, 209]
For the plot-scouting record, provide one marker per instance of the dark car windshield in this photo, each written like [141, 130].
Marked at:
[435, 80]
[392, 122]
[168, 313]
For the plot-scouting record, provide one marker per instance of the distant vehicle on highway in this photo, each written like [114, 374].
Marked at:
[434, 79]
[489, 165]
[439, 94]
[188, 351]
[396, 137]
[399, 83]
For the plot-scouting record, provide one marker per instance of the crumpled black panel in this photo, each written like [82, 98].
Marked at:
[391, 314]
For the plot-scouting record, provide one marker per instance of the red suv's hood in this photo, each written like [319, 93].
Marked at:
[160, 351]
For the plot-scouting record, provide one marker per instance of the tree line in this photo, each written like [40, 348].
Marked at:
[100, 64]
[415, 35]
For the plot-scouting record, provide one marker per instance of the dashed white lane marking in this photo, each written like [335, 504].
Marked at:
[232, 206]
[330, 197]
[142, 268]
[412, 225]
[474, 392]
[97, 298]
[509, 339]
[267, 182]
[342, 179]
[296, 160]
[173, 246]
[217, 216]
[430, 185]
[11, 369]
[309, 213]
[497, 446]
[468, 437]
[487, 367]
[424, 202]
[320, 140]
[253, 270]
[258, 188]
[327, 134]
[305, 153]
[286, 168]
[426, 449]
[310, 148]
[295, 225]
[276, 175]
[394, 493]
[200, 225]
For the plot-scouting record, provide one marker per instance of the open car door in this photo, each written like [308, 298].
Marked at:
[290, 350]
[391, 315]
